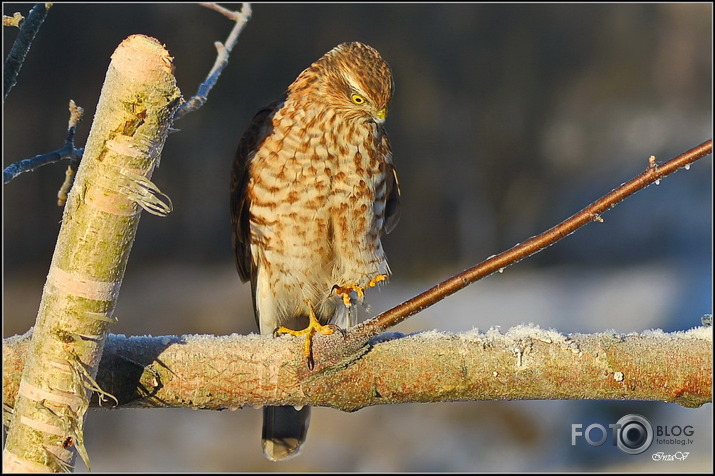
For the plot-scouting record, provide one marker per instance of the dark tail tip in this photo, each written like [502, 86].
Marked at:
[284, 431]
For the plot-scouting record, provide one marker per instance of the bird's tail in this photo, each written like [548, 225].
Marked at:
[284, 431]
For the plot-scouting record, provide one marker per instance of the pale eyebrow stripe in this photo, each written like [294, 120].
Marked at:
[353, 83]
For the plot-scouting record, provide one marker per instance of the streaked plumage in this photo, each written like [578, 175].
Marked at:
[313, 189]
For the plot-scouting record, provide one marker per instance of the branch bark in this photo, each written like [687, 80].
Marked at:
[215, 373]
[99, 223]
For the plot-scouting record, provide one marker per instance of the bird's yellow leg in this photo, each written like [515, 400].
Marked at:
[313, 326]
[345, 291]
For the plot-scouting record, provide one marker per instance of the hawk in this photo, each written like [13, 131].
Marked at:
[313, 189]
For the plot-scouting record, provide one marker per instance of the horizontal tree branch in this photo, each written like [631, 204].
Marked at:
[215, 373]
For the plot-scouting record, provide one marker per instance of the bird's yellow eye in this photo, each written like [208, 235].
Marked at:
[357, 99]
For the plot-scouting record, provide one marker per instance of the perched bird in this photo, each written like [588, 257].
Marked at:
[313, 189]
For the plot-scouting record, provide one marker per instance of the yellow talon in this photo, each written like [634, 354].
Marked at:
[373, 282]
[345, 291]
[359, 290]
[313, 326]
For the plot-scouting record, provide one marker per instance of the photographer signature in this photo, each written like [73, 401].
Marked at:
[679, 456]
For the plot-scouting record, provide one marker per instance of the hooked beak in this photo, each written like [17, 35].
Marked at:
[381, 115]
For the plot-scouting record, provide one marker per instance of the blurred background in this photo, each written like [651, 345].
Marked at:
[506, 120]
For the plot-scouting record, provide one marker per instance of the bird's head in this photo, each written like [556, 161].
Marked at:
[353, 79]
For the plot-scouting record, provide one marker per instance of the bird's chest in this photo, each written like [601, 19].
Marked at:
[317, 164]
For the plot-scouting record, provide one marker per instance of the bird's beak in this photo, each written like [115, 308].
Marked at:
[381, 115]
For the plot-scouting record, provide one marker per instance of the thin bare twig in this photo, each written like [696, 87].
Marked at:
[223, 50]
[76, 114]
[66, 152]
[64, 190]
[593, 212]
[19, 50]
[335, 347]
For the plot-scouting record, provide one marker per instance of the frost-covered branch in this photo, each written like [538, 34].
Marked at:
[207, 372]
